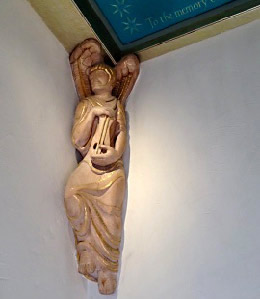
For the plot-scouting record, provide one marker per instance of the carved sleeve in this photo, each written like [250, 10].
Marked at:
[121, 130]
[81, 132]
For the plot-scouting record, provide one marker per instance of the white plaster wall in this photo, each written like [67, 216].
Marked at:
[37, 99]
[192, 223]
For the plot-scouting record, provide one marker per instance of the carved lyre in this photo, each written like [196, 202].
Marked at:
[94, 192]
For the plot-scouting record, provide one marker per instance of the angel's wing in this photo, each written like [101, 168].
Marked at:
[82, 58]
[127, 72]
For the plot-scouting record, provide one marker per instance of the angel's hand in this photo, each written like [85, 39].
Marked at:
[128, 64]
[107, 156]
[98, 111]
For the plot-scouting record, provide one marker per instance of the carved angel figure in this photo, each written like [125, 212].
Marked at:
[94, 192]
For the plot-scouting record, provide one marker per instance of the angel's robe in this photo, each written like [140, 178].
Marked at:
[100, 193]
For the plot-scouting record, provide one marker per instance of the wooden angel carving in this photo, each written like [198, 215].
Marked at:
[94, 192]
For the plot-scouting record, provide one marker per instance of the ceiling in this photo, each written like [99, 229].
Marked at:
[150, 29]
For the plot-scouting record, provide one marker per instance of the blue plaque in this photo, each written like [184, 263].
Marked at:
[132, 20]
[126, 26]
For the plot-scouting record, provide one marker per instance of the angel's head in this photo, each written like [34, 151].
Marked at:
[102, 78]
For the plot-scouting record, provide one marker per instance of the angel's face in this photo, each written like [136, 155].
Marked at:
[100, 82]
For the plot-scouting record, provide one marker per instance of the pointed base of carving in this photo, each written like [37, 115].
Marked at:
[106, 282]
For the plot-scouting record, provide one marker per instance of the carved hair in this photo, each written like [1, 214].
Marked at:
[106, 68]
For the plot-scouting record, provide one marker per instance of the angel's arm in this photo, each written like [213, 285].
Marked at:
[83, 120]
[85, 117]
[121, 137]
